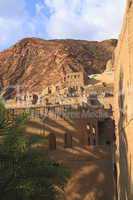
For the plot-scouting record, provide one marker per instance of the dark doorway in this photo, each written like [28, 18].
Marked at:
[106, 132]
[35, 99]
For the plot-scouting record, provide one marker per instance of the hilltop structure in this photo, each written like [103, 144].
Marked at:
[124, 106]
[77, 89]
[76, 79]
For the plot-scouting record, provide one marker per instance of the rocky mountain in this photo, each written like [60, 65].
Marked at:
[37, 63]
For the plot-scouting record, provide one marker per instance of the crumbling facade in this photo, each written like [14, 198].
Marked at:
[124, 107]
[75, 82]
[75, 79]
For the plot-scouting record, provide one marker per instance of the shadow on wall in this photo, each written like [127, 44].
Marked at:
[106, 131]
[92, 176]
[92, 173]
[59, 126]
[124, 176]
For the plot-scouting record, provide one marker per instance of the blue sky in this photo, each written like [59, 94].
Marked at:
[59, 19]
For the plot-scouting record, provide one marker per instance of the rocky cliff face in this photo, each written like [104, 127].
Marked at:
[37, 63]
[124, 106]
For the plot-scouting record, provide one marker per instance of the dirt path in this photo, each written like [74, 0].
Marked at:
[92, 173]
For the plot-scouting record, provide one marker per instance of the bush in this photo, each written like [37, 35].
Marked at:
[26, 175]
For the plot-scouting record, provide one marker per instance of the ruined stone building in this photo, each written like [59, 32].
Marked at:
[75, 81]
[124, 107]
[28, 99]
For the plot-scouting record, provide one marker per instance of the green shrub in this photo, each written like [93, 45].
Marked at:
[27, 175]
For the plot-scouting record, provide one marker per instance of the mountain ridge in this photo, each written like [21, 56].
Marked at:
[37, 63]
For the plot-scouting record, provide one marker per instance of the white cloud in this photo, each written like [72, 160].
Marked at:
[84, 19]
[78, 19]
[12, 8]
[39, 7]
[13, 16]
[17, 23]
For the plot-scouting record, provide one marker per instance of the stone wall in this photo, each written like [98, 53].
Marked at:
[124, 106]
[76, 79]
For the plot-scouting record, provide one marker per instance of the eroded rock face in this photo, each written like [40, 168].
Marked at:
[38, 63]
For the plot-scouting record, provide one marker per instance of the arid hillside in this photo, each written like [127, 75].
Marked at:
[37, 63]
